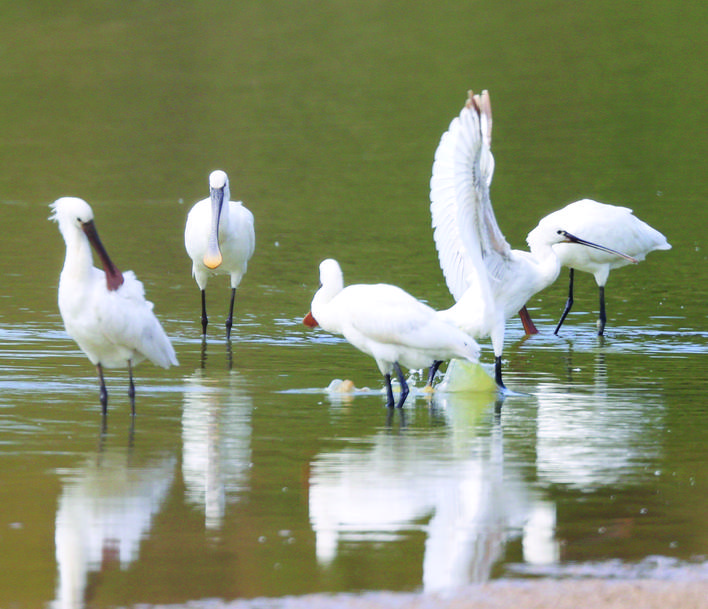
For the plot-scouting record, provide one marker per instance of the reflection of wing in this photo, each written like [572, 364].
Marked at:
[466, 232]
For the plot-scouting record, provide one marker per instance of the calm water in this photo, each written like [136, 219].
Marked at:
[242, 475]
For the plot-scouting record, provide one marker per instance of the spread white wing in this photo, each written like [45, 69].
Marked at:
[472, 250]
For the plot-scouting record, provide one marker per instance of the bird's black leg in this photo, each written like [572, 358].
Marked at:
[568, 303]
[603, 317]
[433, 371]
[131, 388]
[389, 391]
[205, 321]
[230, 318]
[104, 392]
[404, 385]
[498, 372]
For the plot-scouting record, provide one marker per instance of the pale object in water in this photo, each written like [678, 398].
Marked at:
[463, 376]
[341, 386]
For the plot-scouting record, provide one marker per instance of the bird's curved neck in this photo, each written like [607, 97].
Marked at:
[546, 264]
[78, 260]
[325, 311]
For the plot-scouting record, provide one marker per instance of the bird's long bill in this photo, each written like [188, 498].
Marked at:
[114, 278]
[212, 258]
[310, 321]
[573, 239]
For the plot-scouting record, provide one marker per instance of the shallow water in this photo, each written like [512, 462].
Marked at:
[242, 476]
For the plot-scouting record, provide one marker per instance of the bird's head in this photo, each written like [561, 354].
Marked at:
[219, 194]
[71, 211]
[74, 217]
[548, 234]
[219, 184]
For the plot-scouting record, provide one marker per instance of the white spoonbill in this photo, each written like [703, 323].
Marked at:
[490, 281]
[220, 239]
[105, 312]
[387, 323]
[614, 226]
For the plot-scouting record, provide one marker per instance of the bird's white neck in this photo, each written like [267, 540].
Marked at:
[78, 261]
[546, 264]
[324, 310]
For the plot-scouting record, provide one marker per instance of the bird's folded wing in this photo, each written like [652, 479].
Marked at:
[388, 314]
[128, 320]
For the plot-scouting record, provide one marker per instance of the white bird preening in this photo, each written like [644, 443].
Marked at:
[105, 312]
[388, 324]
[616, 227]
[490, 281]
[220, 239]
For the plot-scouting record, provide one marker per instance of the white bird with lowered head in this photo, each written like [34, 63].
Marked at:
[616, 227]
[388, 324]
[105, 311]
[490, 281]
[219, 238]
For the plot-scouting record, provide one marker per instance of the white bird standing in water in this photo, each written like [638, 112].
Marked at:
[105, 312]
[388, 324]
[490, 281]
[220, 239]
[614, 226]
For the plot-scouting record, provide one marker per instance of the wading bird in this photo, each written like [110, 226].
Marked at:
[490, 281]
[388, 324]
[220, 239]
[105, 312]
[615, 226]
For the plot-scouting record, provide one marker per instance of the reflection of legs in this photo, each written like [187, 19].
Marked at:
[603, 317]
[104, 392]
[230, 318]
[131, 388]
[568, 303]
[205, 321]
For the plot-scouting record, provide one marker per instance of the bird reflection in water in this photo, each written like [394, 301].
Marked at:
[471, 502]
[105, 511]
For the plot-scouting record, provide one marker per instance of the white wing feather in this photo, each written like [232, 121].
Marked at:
[384, 313]
[471, 247]
[127, 319]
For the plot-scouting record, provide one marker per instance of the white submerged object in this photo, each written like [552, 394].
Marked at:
[220, 239]
[105, 311]
[616, 227]
[490, 281]
[388, 324]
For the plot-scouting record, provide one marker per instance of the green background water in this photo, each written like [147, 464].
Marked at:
[243, 477]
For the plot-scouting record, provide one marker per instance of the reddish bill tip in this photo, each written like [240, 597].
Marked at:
[310, 321]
